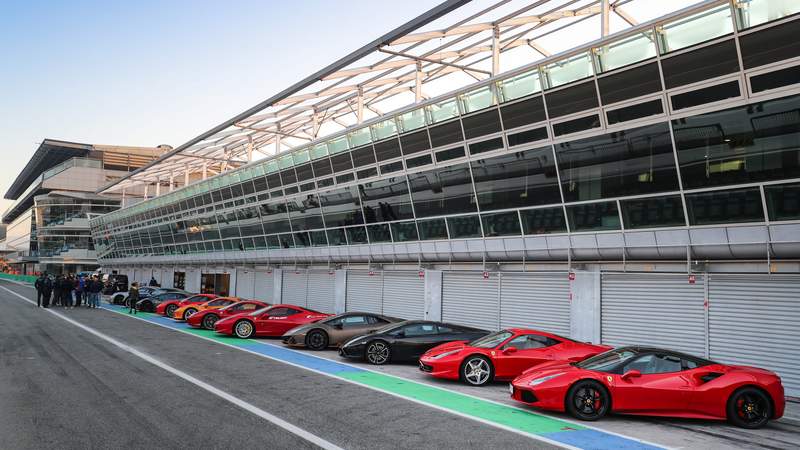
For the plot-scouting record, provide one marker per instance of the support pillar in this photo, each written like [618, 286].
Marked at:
[433, 295]
[277, 286]
[340, 291]
[585, 306]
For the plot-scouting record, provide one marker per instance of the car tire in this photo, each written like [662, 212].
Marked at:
[317, 340]
[749, 407]
[244, 329]
[118, 300]
[477, 370]
[209, 320]
[588, 400]
[378, 353]
[188, 313]
[169, 310]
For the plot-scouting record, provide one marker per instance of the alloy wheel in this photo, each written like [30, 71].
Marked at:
[170, 310]
[244, 329]
[378, 353]
[477, 371]
[209, 321]
[751, 409]
[588, 401]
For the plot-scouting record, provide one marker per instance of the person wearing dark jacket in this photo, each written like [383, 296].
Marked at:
[39, 285]
[57, 290]
[153, 282]
[133, 297]
[47, 289]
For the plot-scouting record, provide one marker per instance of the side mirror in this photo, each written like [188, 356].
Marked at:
[338, 326]
[400, 334]
[631, 374]
[508, 350]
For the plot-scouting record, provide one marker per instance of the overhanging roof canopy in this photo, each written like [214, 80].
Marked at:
[50, 153]
[451, 46]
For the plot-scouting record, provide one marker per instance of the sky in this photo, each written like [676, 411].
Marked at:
[161, 72]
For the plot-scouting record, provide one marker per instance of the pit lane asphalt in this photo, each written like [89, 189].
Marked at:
[61, 387]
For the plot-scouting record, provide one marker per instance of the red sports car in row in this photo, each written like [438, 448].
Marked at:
[166, 308]
[653, 382]
[502, 355]
[208, 317]
[273, 321]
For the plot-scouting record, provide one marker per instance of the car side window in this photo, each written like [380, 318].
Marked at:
[279, 312]
[216, 303]
[354, 321]
[527, 342]
[292, 311]
[421, 329]
[249, 307]
[654, 364]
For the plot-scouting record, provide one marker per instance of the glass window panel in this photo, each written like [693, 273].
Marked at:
[337, 145]
[307, 187]
[386, 200]
[392, 167]
[415, 142]
[432, 229]
[387, 149]
[260, 242]
[519, 86]
[720, 207]
[486, 146]
[367, 173]
[359, 137]
[404, 231]
[593, 217]
[756, 12]
[285, 161]
[419, 161]
[665, 211]
[701, 64]
[568, 70]
[286, 240]
[442, 191]
[711, 94]
[453, 153]
[305, 213]
[304, 172]
[576, 125]
[301, 157]
[356, 235]
[629, 84]
[739, 145]
[442, 111]
[783, 201]
[288, 176]
[341, 162]
[579, 97]
[629, 162]
[382, 130]
[302, 239]
[527, 136]
[379, 233]
[337, 237]
[319, 239]
[523, 113]
[543, 221]
[626, 51]
[464, 227]
[274, 217]
[776, 79]
[412, 120]
[272, 166]
[694, 29]
[638, 111]
[501, 224]
[481, 124]
[344, 178]
[341, 207]
[273, 242]
[446, 133]
[770, 45]
[520, 179]
[325, 183]
[478, 99]
[363, 156]
[319, 150]
[322, 167]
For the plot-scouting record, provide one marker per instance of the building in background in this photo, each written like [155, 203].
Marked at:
[643, 188]
[47, 227]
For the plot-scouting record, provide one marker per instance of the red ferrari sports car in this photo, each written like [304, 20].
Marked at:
[654, 382]
[168, 307]
[207, 318]
[273, 321]
[502, 355]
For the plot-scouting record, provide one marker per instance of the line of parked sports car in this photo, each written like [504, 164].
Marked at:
[546, 371]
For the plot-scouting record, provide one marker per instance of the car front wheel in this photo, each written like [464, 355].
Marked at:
[749, 407]
[317, 340]
[244, 329]
[378, 353]
[588, 400]
[209, 320]
[170, 310]
[477, 370]
[188, 313]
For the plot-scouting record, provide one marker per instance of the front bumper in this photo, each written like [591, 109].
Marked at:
[524, 395]
[295, 340]
[444, 368]
[352, 351]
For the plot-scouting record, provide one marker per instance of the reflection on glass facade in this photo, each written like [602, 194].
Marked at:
[492, 162]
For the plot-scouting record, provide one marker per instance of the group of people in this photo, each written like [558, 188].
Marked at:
[68, 291]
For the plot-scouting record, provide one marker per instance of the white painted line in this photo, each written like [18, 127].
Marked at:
[308, 436]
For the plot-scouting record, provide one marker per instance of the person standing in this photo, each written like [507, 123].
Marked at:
[39, 285]
[80, 289]
[47, 289]
[57, 290]
[95, 292]
[153, 282]
[133, 297]
[66, 292]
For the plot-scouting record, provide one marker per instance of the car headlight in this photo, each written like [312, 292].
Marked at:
[539, 381]
[442, 355]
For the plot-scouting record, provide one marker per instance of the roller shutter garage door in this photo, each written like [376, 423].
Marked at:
[294, 287]
[166, 278]
[659, 310]
[364, 292]
[264, 286]
[469, 299]
[535, 300]
[321, 291]
[753, 320]
[245, 280]
[403, 295]
[156, 273]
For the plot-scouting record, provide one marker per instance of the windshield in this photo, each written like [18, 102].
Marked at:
[491, 340]
[609, 360]
[258, 312]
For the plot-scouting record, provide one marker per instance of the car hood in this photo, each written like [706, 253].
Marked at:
[446, 347]
[545, 370]
[299, 329]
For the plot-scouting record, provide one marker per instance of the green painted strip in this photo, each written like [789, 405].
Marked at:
[504, 415]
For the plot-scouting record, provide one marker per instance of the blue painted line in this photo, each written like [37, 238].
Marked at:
[594, 439]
